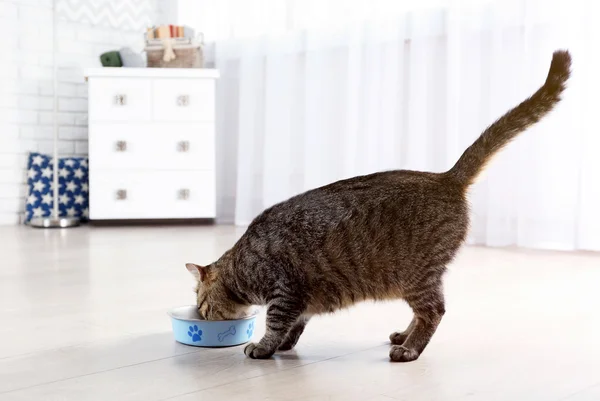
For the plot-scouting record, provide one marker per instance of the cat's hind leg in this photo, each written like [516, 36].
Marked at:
[398, 337]
[428, 307]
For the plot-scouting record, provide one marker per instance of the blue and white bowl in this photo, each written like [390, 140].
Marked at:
[189, 328]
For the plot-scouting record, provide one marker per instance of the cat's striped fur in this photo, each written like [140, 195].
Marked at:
[387, 235]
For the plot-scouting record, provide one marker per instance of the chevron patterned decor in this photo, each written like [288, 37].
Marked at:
[133, 15]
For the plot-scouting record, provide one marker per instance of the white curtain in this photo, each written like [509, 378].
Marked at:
[316, 91]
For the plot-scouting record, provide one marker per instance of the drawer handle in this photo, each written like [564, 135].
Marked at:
[120, 100]
[121, 194]
[121, 146]
[183, 100]
[183, 194]
[183, 146]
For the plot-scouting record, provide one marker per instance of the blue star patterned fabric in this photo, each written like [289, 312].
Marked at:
[73, 187]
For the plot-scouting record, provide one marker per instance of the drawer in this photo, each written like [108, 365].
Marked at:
[152, 195]
[152, 146]
[120, 99]
[184, 99]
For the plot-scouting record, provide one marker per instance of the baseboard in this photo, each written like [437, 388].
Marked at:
[151, 222]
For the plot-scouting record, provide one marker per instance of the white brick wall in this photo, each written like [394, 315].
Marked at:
[26, 87]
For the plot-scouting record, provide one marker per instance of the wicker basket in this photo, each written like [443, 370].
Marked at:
[187, 55]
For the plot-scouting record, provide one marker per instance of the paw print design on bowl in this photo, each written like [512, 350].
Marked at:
[195, 333]
[250, 329]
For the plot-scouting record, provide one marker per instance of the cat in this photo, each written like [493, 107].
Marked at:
[383, 236]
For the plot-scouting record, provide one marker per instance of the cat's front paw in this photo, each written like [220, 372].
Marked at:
[399, 353]
[287, 345]
[256, 351]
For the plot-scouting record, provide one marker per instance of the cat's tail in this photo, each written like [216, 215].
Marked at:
[515, 121]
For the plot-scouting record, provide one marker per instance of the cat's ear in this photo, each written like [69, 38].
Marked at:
[199, 272]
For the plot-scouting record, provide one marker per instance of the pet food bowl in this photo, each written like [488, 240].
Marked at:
[189, 328]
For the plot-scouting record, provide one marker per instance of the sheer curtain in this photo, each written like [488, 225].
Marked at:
[316, 91]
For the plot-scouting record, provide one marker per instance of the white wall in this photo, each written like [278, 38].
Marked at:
[85, 29]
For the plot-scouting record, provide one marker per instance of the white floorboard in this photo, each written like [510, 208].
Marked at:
[83, 317]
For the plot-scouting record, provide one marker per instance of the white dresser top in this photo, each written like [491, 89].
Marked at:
[207, 73]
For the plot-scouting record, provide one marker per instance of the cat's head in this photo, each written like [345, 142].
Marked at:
[214, 299]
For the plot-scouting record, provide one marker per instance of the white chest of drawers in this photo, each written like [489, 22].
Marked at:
[151, 144]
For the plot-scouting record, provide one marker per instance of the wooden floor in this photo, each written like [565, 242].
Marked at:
[83, 317]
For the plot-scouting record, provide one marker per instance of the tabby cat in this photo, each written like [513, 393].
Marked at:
[382, 236]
